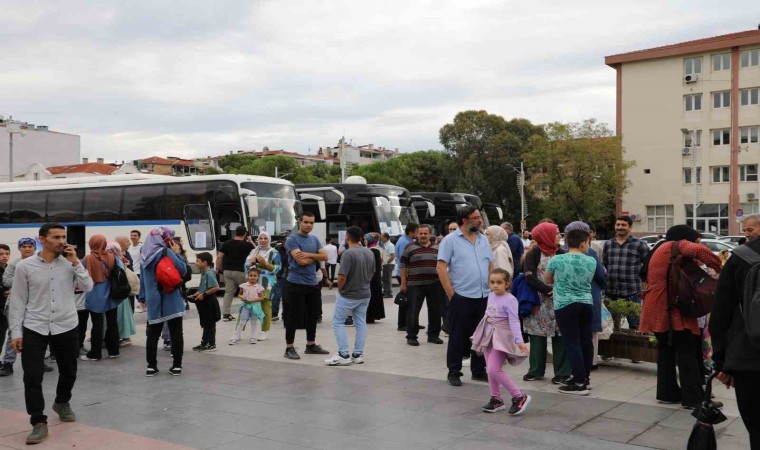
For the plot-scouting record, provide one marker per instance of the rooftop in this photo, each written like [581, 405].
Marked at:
[722, 42]
[93, 168]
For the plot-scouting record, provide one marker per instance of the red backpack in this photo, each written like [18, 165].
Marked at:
[167, 275]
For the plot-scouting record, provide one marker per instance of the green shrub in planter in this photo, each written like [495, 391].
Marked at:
[620, 308]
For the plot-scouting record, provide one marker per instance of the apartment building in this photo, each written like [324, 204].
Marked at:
[689, 115]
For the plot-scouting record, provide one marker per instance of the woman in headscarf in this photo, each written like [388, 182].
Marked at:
[681, 347]
[502, 255]
[541, 325]
[267, 259]
[125, 318]
[160, 306]
[98, 302]
[376, 309]
[598, 285]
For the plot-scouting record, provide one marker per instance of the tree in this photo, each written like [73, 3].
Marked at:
[423, 171]
[577, 171]
[212, 171]
[482, 147]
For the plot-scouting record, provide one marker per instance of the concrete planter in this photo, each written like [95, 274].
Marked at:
[627, 344]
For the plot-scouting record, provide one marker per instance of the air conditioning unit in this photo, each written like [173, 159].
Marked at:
[636, 217]
[686, 151]
[688, 79]
[751, 196]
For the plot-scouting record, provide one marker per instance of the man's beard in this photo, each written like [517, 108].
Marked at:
[474, 229]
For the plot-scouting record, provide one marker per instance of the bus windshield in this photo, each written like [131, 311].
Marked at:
[276, 203]
[390, 215]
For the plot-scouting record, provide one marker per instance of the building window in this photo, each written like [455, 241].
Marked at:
[687, 139]
[748, 172]
[692, 66]
[659, 218]
[711, 217]
[721, 99]
[722, 136]
[693, 102]
[748, 135]
[750, 58]
[749, 96]
[721, 62]
[687, 179]
[720, 174]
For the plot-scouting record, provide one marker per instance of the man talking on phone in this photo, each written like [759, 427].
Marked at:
[43, 312]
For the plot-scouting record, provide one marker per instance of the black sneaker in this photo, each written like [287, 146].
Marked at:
[6, 370]
[454, 379]
[435, 340]
[479, 377]
[275, 319]
[349, 321]
[575, 389]
[413, 342]
[198, 347]
[151, 372]
[46, 368]
[519, 404]
[291, 353]
[228, 318]
[176, 371]
[562, 380]
[315, 349]
[529, 377]
[208, 348]
[493, 405]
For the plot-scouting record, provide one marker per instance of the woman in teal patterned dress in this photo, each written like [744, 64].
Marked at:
[265, 258]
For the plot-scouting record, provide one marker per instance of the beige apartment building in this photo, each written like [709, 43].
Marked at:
[691, 105]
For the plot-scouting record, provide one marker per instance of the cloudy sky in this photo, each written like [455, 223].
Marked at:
[199, 78]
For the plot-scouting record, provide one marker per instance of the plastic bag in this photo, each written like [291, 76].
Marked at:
[608, 326]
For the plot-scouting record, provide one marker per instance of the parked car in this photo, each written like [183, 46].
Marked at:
[650, 240]
[717, 245]
[732, 239]
[711, 236]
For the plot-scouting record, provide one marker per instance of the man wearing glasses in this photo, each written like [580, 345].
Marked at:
[464, 263]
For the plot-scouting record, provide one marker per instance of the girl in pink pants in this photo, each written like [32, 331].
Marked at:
[498, 336]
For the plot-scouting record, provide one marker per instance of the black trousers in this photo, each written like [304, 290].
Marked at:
[84, 316]
[96, 335]
[303, 307]
[434, 294]
[178, 343]
[65, 346]
[574, 322]
[680, 353]
[748, 401]
[209, 334]
[331, 271]
[464, 316]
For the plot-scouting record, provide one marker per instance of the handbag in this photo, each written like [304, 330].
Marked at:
[401, 299]
[120, 286]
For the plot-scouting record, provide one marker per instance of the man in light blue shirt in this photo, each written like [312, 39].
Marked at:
[464, 262]
[410, 234]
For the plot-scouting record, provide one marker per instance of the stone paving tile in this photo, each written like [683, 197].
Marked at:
[611, 429]
[479, 443]
[585, 405]
[663, 437]
[638, 413]
[587, 443]
[403, 433]
[550, 421]
[523, 438]
[730, 442]
[248, 443]
[683, 419]
[326, 439]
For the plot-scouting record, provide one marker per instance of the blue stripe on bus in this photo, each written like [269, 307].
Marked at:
[97, 224]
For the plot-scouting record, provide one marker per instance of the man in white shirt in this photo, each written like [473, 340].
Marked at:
[332, 259]
[43, 312]
[389, 263]
[134, 250]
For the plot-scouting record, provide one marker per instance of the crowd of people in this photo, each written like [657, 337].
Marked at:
[498, 296]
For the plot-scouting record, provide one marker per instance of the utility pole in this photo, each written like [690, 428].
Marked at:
[523, 207]
[342, 161]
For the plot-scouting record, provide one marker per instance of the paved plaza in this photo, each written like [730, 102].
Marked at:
[248, 396]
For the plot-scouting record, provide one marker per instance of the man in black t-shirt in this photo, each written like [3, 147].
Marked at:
[231, 262]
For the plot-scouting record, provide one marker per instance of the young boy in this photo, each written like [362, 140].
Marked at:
[571, 274]
[207, 303]
[252, 294]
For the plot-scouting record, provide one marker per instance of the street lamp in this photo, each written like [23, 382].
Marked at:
[13, 127]
[521, 186]
[693, 148]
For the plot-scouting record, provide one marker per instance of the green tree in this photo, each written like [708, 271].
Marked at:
[481, 147]
[212, 171]
[576, 171]
[428, 170]
[232, 163]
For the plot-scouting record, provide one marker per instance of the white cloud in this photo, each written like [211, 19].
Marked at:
[201, 78]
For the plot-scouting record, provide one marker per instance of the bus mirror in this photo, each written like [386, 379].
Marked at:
[298, 207]
[321, 208]
[431, 209]
[500, 212]
[252, 202]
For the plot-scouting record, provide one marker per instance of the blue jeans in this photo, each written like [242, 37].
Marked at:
[276, 296]
[358, 308]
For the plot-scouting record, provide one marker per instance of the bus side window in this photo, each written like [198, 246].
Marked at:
[5, 208]
[28, 207]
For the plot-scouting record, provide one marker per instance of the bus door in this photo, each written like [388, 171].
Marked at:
[200, 227]
[75, 235]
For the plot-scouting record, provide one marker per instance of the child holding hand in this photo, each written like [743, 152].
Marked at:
[499, 338]
[252, 294]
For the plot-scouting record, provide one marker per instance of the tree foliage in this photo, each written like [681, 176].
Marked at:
[483, 148]
[423, 171]
[576, 171]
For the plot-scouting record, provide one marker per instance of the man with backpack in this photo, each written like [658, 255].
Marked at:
[735, 331]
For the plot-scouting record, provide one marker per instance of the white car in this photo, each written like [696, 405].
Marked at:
[650, 240]
[716, 245]
[732, 239]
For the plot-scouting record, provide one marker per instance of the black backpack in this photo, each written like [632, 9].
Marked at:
[120, 288]
[750, 306]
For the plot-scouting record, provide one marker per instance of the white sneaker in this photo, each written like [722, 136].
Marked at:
[262, 336]
[358, 359]
[233, 341]
[138, 309]
[338, 360]
[253, 340]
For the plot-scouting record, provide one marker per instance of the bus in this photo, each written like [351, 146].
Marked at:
[445, 206]
[203, 210]
[380, 208]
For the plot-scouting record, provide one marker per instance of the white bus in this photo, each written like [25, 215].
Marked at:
[203, 210]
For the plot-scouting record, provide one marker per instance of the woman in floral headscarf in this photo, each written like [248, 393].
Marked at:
[98, 302]
[265, 258]
[160, 306]
[541, 325]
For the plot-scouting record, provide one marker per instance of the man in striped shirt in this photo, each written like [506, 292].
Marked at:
[419, 280]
